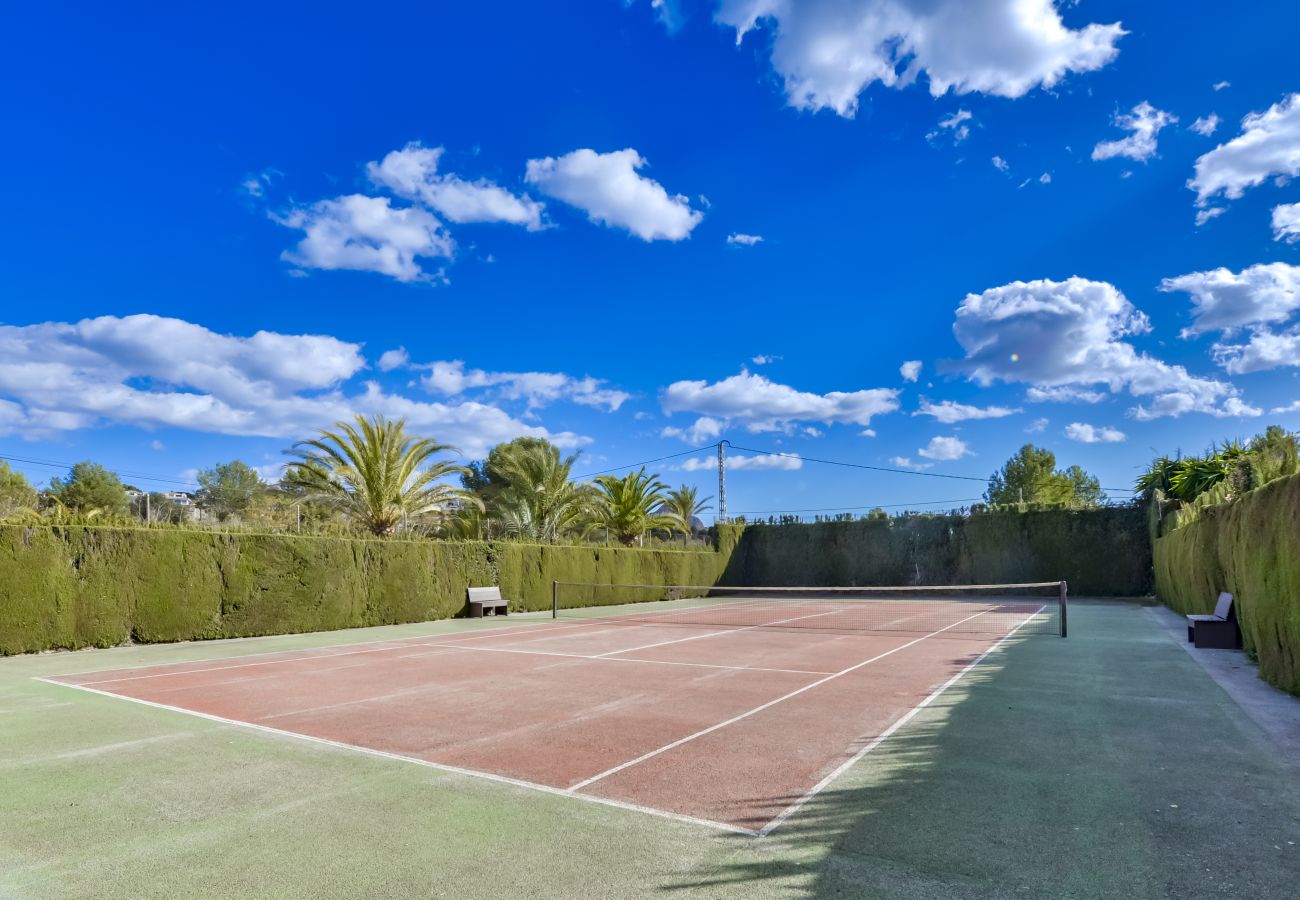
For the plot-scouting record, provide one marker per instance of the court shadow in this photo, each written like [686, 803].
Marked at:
[1087, 767]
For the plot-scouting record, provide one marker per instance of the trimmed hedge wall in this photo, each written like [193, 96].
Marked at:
[1100, 552]
[71, 587]
[1251, 548]
[77, 586]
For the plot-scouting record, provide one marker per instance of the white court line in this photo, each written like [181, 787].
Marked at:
[384, 754]
[657, 662]
[696, 637]
[847, 764]
[306, 652]
[758, 709]
[406, 644]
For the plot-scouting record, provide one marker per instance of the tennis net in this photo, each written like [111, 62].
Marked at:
[1033, 608]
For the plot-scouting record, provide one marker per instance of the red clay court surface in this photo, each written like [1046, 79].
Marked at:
[732, 727]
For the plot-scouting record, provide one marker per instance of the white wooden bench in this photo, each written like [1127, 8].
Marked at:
[482, 599]
[1219, 630]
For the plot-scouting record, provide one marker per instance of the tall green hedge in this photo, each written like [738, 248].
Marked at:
[1251, 548]
[77, 586]
[73, 587]
[1100, 552]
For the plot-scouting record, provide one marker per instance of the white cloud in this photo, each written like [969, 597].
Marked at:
[412, 173]
[868, 432]
[1205, 215]
[157, 445]
[763, 405]
[450, 377]
[368, 235]
[1045, 178]
[945, 448]
[608, 189]
[1283, 410]
[1205, 125]
[910, 370]
[149, 371]
[1223, 300]
[785, 463]
[1220, 85]
[1269, 144]
[1093, 434]
[1264, 350]
[949, 411]
[1144, 124]
[394, 359]
[1286, 222]
[1001, 164]
[828, 51]
[703, 431]
[1037, 426]
[1063, 394]
[956, 124]
[1052, 334]
[905, 462]
[744, 240]
[764, 359]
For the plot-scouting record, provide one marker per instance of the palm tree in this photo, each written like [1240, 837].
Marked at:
[685, 505]
[380, 476]
[541, 502]
[626, 506]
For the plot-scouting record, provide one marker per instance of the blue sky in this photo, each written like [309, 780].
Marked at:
[225, 231]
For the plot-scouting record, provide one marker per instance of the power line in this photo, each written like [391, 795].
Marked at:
[767, 512]
[835, 462]
[647, 462]
[138, 476]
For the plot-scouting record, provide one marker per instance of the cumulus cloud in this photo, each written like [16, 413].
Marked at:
[905, 462]
[1264, 350]
[828, 51]
[1286, 222]
[1001, 164]
[704, 430]
[1143, 124]
[764, 359]
[608, 188]
[1223, 300]
[1037, 426]
[1205, 125]
[368, 235]
[744, 240]
[787, 462]
[910, 370]
[451, 378]
[944, 449]
[949, 411]
[150, 371]
[1052, 334]
[1093, 434]
[1269, 145]
[394, 359]
[1290, 408]
[412, 174]
[763, 405]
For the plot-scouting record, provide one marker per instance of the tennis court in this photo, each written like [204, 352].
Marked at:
[727, 707]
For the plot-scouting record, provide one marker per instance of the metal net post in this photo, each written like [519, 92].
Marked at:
[1064, 609]
[555, 599]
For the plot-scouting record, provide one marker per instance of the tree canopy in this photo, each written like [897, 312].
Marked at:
[1031, 476]
[15, 491]
[227, 489]
[90, 488]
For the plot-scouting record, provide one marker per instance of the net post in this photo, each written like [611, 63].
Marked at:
[555, 599]
[1065, 608]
